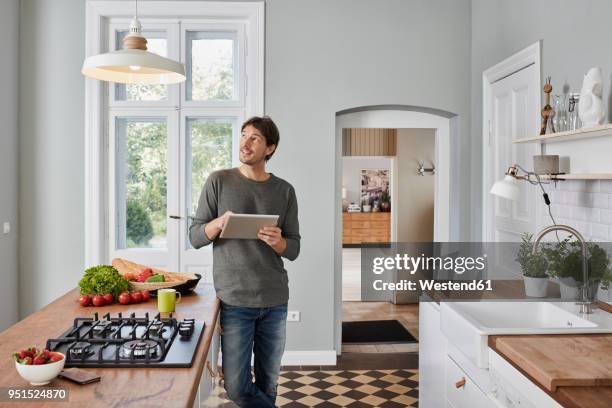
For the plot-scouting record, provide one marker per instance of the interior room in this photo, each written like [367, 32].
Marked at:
[442, 130]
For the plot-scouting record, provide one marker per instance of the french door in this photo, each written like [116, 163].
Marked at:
[164, 141]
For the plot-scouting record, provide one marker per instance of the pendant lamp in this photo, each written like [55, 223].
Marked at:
[134, 64]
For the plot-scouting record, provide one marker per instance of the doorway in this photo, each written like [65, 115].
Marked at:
[511, 93]
[386, 174]
[445, 226]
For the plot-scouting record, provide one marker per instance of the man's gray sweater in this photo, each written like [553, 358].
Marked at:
[248, 272]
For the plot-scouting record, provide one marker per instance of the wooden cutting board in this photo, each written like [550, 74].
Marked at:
[560, 360]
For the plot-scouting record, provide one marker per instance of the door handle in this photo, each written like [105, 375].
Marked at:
[190, 217]
[460, 383]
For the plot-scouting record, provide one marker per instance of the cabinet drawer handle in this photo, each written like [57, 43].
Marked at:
[460, 383]
[210, 370]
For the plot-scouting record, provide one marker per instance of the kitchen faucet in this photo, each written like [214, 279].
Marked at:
[586, 304]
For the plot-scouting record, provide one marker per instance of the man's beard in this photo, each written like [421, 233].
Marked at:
[253, 161]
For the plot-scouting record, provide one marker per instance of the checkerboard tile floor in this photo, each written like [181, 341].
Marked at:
[340, 388]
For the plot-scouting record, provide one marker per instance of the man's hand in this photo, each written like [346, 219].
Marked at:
[272, 236]
[214, 227]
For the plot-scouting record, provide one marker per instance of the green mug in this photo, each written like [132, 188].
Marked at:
[166, 300]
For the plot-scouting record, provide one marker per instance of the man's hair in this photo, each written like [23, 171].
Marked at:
[267, 128]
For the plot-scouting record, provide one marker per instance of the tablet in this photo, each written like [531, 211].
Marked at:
[246, 226]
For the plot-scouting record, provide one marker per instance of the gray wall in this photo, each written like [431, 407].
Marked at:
[51, 163]
[576, 36]
[321, 57]
[9, 97]
[325, 56]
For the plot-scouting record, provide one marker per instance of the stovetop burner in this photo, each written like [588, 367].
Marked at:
[129, 341]
[80, 349]
[102, 326]
[139, 348]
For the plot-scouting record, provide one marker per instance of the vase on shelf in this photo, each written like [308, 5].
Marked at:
[573, 119]
[560, 119]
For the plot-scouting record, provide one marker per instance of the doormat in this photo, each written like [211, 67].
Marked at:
[376, 331]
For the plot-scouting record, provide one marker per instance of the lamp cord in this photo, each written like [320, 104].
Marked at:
[544, 194]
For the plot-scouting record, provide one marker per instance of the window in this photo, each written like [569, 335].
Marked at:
[150, 148]
[212, 62]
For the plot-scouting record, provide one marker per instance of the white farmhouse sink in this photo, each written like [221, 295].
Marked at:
[468, 324]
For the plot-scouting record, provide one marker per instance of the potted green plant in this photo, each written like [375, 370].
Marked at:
[385, 199]
[565, 264]
[533, 267]
[605, 285]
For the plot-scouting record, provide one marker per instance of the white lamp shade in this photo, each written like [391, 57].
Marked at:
[133, 66]
[506, 188]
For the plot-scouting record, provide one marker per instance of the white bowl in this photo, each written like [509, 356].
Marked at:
[40, 374]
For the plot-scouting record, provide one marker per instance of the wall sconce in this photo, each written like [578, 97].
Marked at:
[508, 187]
[422, 170]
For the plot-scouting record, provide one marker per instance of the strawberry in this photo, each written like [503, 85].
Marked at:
[27, 361]
[46, 354]
[56, 357]
[38, 360]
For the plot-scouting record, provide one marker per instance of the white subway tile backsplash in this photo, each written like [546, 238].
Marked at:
[606, 217]
[605, 186]
[592, 186]
[600, 200]
[578, 213]
[599, 232]
[593, 214]
[584, 205]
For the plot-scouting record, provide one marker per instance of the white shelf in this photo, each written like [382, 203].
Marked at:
[584, 176]
[596, 131]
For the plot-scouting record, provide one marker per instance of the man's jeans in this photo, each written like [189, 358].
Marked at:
[262, 331]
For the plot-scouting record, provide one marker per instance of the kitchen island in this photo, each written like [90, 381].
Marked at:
[133, 387]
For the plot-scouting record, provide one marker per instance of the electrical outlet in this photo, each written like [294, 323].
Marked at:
[293, 316]
[7, 227]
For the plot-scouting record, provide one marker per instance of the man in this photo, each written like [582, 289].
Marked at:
[249, 275]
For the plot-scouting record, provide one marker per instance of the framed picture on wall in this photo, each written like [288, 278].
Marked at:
[374, 185]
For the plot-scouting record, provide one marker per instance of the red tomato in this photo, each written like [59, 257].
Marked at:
[108, 298]
[98, 300]
[125, 298]
[145, 295]
[136, 297]
[85, 300]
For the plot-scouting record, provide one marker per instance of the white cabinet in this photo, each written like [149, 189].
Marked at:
[450, 377]
[510, 388]
[461, 390]
[432, 354]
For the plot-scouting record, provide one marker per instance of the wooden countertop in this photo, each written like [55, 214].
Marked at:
[134, 387]
[574, 369]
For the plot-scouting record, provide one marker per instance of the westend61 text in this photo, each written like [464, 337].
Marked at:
[405, 284]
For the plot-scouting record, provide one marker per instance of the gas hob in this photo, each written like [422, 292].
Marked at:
[129, 341]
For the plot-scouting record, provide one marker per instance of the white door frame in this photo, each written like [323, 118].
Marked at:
[413, 117]
[96, 92]
[530, 55]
